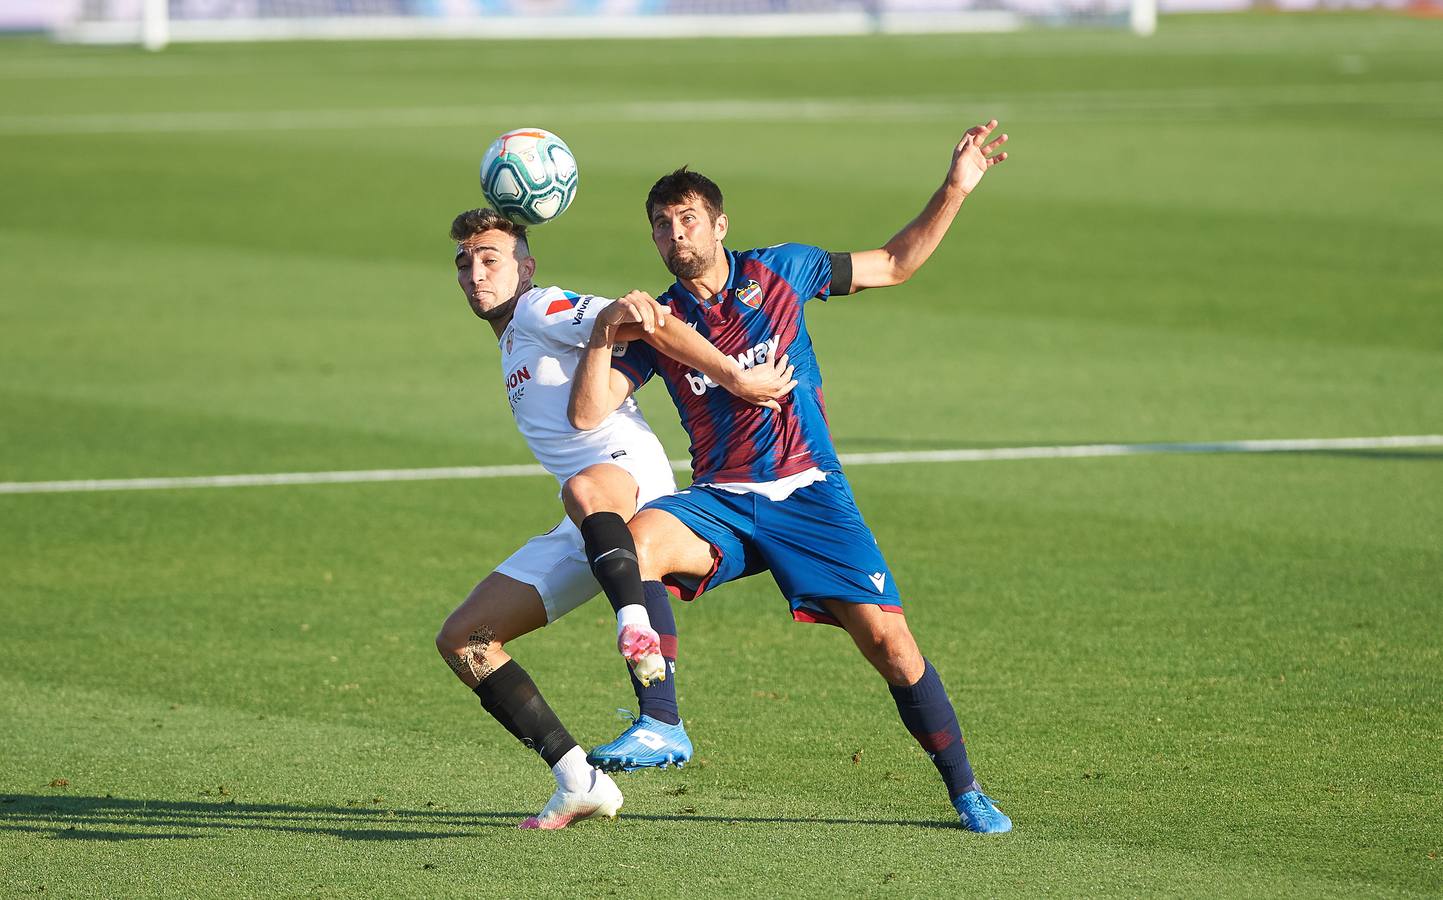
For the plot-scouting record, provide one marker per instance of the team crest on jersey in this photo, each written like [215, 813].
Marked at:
[510, 339]
[750, 294]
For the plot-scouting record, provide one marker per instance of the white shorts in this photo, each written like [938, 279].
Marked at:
[555, 562]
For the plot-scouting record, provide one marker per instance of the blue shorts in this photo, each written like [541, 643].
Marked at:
[814, 542]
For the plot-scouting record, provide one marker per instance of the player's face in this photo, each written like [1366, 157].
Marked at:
[687, 237]
[490, 274]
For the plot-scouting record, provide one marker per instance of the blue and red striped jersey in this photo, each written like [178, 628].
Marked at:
[756, 317]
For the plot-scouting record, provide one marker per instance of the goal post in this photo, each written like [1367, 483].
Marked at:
[155, 24]
[1142, 17]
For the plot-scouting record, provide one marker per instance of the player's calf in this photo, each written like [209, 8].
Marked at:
[611, 552]
[923, 705]
[498, 609]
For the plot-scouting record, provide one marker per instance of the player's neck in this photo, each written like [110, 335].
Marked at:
[711, 282]
[499, 325]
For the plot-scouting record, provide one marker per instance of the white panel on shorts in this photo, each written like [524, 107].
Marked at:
[555, 564]
[650, 469]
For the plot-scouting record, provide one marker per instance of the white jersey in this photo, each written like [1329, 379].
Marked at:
[540, 350]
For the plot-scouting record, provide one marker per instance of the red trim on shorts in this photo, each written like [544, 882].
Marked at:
[681, 590]
[802, 614]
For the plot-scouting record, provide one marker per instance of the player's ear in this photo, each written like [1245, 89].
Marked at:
[528, 268]
[719, 228]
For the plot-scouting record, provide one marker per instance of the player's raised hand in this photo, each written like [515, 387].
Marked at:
[766, 384]
[974, 155]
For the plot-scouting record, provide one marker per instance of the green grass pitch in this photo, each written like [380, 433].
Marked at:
[1181, 675]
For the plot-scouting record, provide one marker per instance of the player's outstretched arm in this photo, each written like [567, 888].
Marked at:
[904, 254]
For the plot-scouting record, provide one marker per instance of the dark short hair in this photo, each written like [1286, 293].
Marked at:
[474, 221]
[677, 186]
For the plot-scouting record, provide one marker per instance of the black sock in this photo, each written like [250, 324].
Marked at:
[927, 712]
[612, 555]
[511, 697]
[659, 699]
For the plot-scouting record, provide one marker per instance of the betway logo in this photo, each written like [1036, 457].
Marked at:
[757, 355]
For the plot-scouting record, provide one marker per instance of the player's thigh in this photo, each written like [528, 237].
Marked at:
[819, 548]
[498, 610]
[602, 487]
[665, 546]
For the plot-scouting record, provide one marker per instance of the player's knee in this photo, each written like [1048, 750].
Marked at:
[456, 638]
[646, 556]
[585, 493]
[450, 640]
[579, 492]
[900, 662]
[894, 655]
[873, 646]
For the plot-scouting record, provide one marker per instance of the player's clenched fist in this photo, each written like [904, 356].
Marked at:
[634, 308]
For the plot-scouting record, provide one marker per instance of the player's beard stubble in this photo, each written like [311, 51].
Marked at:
[688, 263]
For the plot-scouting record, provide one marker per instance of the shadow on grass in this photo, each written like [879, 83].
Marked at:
[84, 818]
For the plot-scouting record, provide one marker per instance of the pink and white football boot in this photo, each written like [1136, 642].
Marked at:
[640, 646]
[602, 800]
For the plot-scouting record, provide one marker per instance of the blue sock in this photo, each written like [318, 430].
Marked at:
[927, 712]
[659, 700]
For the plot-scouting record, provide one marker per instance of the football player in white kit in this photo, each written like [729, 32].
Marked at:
[606, 472]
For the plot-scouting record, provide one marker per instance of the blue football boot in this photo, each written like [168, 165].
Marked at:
[646, 743]
[980, 814]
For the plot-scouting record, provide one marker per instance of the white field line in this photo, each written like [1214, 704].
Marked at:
[1303, 445]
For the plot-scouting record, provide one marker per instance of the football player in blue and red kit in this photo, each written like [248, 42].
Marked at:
[768, 492]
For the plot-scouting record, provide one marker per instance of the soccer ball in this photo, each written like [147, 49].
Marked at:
[529, 176]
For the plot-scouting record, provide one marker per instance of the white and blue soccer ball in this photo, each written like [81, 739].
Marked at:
[529, 176]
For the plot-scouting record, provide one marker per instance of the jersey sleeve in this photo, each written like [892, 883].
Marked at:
[566, 318]
[636, 360]
[807, 269]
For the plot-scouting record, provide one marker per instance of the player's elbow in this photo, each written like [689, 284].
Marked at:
[584, 419]
[899, 272]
